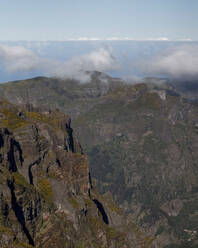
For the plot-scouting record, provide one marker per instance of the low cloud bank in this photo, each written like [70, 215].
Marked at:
[100, 60]
[20, 59]
[178, 62]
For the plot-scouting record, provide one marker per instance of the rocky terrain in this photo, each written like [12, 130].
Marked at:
[46, 195]
[141, 142]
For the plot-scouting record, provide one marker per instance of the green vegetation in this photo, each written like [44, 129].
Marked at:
[11, 120]
[73, 202]
[20, 180]
[6, 230]
[149, 101]
[112, 233]
[23, 245]
[81, 244]
[53, 119]
[45, 189]
[114, 208]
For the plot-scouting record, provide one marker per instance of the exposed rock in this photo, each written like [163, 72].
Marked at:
[46, 195]
[173, 207]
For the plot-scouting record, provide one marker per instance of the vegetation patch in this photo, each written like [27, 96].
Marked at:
[12, 120]
[20, 180]
[45, 189]
[53, 119]
[88, 202]
[24, 245]
[73, 202]
[147, 101]
[6, 230]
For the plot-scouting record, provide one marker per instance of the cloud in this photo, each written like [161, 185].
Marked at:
[157, 39]
[163, 39]
[184, 39]
[87, 39]
[133, 79]
[115, 38]
[20, 59]
[177, 62]
[100, 60]
[119, 39]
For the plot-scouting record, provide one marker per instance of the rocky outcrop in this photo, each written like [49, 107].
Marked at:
[46, 195]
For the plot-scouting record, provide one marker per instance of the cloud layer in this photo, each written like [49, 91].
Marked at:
[20, 59]
[178, 62]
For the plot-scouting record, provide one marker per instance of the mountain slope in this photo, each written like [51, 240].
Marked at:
[142, 144]
[46, 196]
[144, 150]
[69, 96]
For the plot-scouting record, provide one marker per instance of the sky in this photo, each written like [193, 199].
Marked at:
[153, 38]
[77, 19]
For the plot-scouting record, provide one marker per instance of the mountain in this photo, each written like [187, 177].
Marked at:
[69, 96]
[46, 195]
[141, 142]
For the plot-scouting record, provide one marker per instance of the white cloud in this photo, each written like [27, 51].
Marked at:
[163, 39]
[184, 39]
[18, 58]
[118, 38]
[177, 62]
[100, 60]
[87, 39]
[157, 39]
[114, 38]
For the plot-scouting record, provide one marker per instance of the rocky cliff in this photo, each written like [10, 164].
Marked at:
[46, 195]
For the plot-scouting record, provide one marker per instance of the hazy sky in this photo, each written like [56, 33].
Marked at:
[64, 19]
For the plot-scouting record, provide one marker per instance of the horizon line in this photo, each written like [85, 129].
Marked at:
[165, 39]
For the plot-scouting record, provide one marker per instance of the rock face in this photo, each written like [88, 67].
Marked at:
[144, 151]
[142, 145]
[46, 195]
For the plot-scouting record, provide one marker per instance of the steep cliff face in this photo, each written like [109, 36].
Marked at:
[46, 195]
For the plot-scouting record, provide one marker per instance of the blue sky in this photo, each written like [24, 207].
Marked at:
[65, 19]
